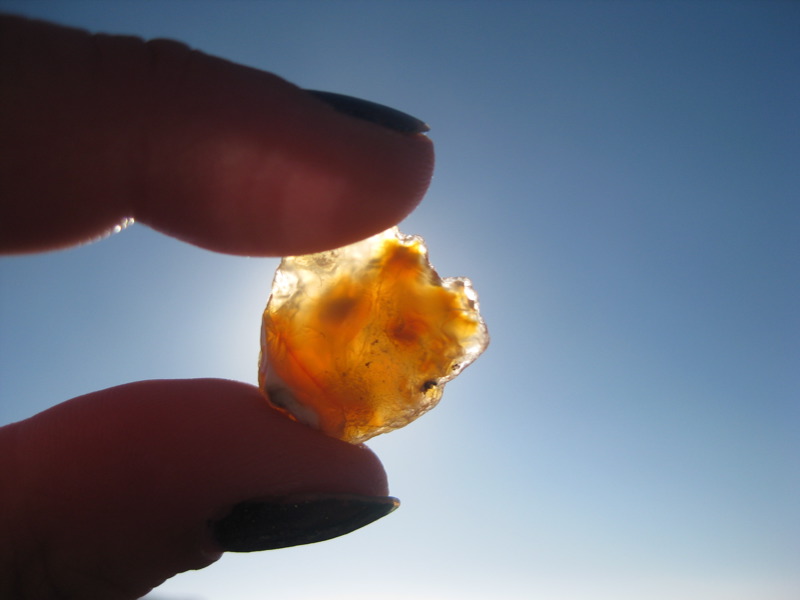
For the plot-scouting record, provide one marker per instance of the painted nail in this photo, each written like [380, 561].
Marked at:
[373, 112]
[296, 520]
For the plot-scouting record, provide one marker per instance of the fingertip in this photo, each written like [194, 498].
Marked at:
[268, 169]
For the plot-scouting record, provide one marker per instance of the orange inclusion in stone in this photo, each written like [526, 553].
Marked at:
[366, 348]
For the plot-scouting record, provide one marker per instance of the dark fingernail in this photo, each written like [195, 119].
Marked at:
[373, 112]
[297, 520]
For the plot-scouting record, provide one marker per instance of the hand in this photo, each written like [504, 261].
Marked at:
[109, 494]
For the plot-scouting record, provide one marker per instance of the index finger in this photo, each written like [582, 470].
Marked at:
[97, 129]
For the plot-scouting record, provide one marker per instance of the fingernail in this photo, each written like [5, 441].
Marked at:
[297, 520]
[373, 112]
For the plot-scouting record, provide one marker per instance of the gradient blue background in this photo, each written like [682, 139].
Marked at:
[621, 180]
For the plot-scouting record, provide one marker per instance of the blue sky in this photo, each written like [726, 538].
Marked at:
[620, 182]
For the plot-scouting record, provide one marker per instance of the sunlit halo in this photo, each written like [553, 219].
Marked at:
[124, 224]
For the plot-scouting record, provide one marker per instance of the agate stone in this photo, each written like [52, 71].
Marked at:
[361, 340]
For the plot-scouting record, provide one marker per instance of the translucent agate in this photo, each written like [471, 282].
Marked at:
[361, 340]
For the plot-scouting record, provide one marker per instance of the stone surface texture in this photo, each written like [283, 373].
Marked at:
[361, 340]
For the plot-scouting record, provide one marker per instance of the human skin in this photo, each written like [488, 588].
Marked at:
[109, 494]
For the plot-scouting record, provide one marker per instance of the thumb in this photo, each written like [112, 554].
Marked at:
[109, 494]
